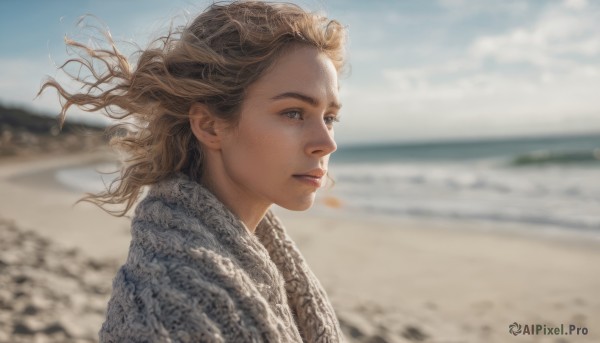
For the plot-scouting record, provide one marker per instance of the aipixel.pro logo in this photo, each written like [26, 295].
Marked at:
[542, 329]
[514, 328]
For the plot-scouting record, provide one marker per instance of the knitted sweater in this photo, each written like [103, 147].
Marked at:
[194, 273]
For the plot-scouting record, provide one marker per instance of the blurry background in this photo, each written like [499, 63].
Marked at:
[457, 115]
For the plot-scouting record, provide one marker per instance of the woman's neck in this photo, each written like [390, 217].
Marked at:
[237, 199]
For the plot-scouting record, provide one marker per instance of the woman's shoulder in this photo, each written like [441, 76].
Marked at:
[157, 297]
[182, 277]
[179, 223]
[165, 238]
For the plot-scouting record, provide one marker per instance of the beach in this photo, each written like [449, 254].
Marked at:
[389, 279]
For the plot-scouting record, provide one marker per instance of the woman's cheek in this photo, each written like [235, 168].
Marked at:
[276, 134]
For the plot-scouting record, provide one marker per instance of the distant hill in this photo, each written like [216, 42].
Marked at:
[26, 133]
[20, 119]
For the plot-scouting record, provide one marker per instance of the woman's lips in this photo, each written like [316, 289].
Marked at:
[311, 180]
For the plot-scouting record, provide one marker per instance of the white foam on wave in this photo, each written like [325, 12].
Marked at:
[556, 196]
[87, 179]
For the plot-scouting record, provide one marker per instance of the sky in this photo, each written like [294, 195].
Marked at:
[419, 70]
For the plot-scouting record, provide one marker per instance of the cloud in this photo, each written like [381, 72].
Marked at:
[551, 42]
[21, 80]
[537, 77]
[576, 4]
[464, 8]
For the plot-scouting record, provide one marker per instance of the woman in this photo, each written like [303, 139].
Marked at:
[231, 115]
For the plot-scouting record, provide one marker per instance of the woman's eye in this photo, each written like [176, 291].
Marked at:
[329, 120]
[294, 115]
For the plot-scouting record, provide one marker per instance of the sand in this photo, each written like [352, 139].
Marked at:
[390, 280]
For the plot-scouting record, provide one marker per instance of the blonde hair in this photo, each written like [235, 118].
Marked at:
[212, 61]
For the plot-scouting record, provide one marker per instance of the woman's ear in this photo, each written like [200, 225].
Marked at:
[204, 126]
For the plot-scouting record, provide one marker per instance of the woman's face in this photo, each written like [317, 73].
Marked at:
[285, 130]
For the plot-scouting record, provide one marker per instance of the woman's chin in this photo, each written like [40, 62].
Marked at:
[302, 205]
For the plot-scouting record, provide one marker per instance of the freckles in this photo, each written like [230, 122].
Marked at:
[251, 129]
[274, 130]
[261, 138]
[263, 135]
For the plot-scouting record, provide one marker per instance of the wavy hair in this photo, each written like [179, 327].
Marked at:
[212, 60]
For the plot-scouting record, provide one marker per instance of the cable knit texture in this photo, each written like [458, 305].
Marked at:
[194, 273]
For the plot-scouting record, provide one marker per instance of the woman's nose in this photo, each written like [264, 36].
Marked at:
[320, 140]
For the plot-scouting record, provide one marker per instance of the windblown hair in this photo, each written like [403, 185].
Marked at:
[212, 60]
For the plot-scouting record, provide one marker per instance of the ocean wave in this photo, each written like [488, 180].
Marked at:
[544, 157]
[590, 224]
[558, 196]
[573, 183]
[91, 179]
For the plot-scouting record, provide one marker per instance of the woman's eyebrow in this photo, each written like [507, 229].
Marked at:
[312, 101]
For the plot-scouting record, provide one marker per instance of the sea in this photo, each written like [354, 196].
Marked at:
[549, 182]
